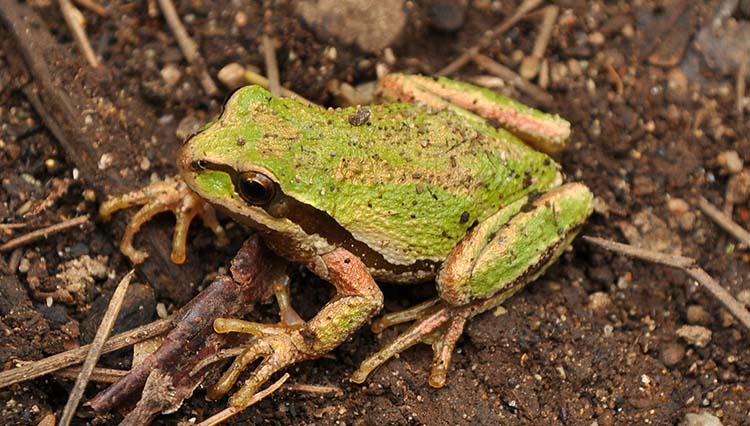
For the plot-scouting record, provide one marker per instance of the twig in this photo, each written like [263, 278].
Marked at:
[74, 356]
[525, 7]
[615, 76]
[4, 226]
[535, 92]
[43, 233]
[272, 66]
[95, 351]
[188, 47]
[231, 411]
[100, 374]
[531, 64]
[94, 7]
[314, 389]
[741, 86]
[255, 78]
[71, 14]
[724, 221]
[686, 264]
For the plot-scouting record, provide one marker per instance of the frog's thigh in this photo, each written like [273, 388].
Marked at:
[514, 246]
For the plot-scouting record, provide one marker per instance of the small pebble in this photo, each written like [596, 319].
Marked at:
[671, 354]
[730, 161]
[677, 84]
[188, 125]
[596, 38]
[171, 74]
[695, 335]
[678, 206]
[700, 419]
[447, 15]
[232, 75]
[240, 19]
[599, 302]
[696, 314]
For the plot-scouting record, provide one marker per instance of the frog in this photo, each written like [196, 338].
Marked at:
[443, 181]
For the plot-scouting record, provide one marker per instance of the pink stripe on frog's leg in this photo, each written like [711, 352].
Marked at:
[545, 132]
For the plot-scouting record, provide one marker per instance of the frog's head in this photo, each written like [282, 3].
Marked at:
[243, 161]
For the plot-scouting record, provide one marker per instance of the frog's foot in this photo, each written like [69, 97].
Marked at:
[171, 194]
[279, 346]
[436, 323]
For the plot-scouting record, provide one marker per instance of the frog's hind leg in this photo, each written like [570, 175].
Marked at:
[546, 132]
[494, 261]
[162, 196]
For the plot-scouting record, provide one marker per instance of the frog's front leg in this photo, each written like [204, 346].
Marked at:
[171, 194]
[493, 261]
[357, 300]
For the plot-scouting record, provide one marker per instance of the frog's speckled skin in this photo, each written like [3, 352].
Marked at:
[398, 192]
[409, 182]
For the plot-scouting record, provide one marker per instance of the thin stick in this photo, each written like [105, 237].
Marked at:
[525, 7]
[74, 356]
[70, 13]
[105, 327]
[741, 85]
[535, 92]
[686, 264]
[272, 66]
[724, 221]
[43, 232]
[231, 411]
[94, 7]
[188, 47]
[314, 389]
[255, 78]
[4, 226]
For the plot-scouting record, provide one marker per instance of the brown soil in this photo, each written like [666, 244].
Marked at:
[557, 355]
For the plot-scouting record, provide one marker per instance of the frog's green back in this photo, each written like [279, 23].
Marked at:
[409, 182]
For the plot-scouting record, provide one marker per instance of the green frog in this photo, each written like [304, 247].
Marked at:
[443, 182]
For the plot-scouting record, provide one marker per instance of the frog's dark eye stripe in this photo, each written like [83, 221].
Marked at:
[255, 188]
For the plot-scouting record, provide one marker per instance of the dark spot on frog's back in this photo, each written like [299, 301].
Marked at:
[241, 141]
[464, 217]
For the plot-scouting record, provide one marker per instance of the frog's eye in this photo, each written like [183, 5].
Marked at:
[256, 188]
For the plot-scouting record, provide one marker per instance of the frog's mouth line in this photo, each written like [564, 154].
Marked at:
[314, 221]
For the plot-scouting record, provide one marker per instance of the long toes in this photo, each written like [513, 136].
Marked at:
[405, 340]
[142, 216]
[395, 318]
[233, 325]
[257, 350]
[243, 397]
[443, 351]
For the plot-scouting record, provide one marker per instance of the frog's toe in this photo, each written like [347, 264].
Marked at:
[437, 324]
[172, 195]
[274, 343]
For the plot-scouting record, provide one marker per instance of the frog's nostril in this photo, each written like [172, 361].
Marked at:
[199, 165]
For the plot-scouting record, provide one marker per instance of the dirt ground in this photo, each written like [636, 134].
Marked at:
[650, 88]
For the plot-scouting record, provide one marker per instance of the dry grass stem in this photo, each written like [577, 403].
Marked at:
[43, 232]
[32, 370]
[95, 351]
[525, 7]
[724, 221]
[686, 264]
[72, 15]
[533, 91]
[272, 66]
[231, 411]
[188, 47]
